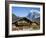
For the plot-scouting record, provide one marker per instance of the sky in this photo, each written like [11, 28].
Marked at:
[23, 11]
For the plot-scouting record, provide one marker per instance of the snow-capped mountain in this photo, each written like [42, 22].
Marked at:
[34, 14]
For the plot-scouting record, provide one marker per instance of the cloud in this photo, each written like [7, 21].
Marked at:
[33, 10]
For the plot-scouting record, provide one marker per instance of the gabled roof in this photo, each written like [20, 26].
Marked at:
[20, 19]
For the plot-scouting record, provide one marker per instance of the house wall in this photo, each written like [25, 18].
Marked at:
[23, 22]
